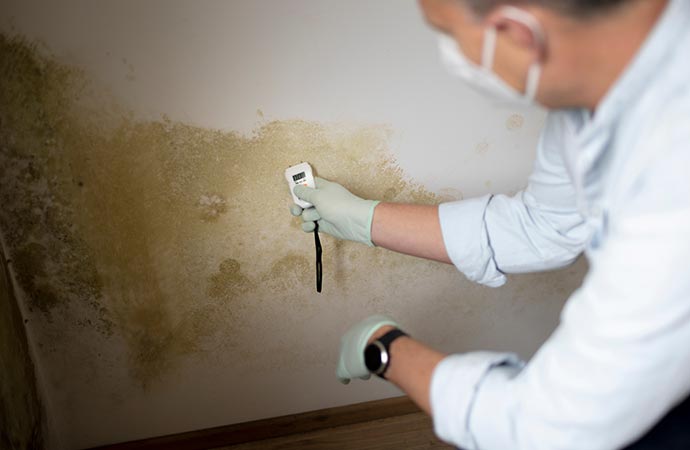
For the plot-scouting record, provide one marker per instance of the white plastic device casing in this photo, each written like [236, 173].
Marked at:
[300, 174]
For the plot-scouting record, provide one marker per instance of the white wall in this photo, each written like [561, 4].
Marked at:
[361, 63]
[214, 63]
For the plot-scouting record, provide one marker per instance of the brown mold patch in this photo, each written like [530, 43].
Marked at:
[53, 263]
[515, 122]
[156, 340]
[131, 218]
[30, 264]
[290, 272]
[229, 281]
[450, 195]
[482, 148]
[212, 206]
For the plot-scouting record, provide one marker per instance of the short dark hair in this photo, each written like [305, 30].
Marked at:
[577, 8]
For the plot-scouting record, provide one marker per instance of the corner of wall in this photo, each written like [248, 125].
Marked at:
[25, 424]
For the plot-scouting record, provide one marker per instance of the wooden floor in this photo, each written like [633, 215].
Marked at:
[405, 432]
[393, 423]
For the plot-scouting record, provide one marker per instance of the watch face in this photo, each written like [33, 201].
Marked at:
[372, 358]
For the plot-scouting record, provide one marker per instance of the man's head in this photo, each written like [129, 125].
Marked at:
[573, 8]
[582, 45]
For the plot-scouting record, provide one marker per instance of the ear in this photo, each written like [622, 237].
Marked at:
[521, 27]
[440, 14]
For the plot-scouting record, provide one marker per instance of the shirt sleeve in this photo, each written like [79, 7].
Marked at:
[540, 228]
[619, 359]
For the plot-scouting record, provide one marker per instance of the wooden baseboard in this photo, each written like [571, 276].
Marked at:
[274, 427]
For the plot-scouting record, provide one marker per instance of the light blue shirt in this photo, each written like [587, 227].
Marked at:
[616, 186]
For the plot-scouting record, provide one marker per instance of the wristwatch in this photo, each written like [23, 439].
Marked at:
[377, 354]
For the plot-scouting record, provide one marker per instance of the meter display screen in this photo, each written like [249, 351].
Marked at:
[298, 177]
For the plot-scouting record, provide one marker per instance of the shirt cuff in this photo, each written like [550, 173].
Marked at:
[467, 241]
[454, 386]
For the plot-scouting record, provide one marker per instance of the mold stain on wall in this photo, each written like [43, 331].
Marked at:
[164, 239]
[515, 122]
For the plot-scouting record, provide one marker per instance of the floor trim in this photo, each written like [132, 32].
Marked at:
[274, 427]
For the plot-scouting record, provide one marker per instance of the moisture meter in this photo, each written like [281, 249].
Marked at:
[301, 174]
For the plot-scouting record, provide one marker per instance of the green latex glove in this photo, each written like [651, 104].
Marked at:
[337, 211]
[351, 363]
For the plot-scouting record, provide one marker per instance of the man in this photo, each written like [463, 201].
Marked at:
[612, 179]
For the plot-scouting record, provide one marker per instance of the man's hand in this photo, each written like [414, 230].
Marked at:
[409, 229]
[351, 363]
[411, 363]
[337, 211]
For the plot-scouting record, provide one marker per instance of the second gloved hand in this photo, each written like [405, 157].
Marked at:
[351, 361]
[337, 211]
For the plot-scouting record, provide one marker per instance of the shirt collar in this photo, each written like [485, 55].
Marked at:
[646, 63]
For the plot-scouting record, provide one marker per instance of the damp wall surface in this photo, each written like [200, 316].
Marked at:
[142, 150]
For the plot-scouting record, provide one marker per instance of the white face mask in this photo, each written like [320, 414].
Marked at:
[482, 77]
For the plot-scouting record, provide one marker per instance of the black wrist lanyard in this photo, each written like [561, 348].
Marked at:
[319, 267]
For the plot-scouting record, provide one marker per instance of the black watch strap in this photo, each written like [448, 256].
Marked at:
[389, 337]
[386, 340]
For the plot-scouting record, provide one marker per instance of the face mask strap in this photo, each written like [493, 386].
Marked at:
[527, 19]
[534, 73]
[489, 48]
[533, 78]
[490, 44]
